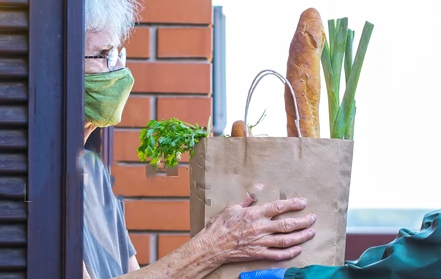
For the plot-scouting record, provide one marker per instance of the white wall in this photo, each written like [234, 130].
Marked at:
[397, 132]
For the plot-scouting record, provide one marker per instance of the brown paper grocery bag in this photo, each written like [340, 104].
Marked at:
[223, 170]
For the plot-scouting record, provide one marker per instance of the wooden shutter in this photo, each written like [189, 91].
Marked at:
[41, 134]
[14, 26]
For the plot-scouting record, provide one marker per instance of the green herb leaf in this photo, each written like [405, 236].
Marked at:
[166, 140]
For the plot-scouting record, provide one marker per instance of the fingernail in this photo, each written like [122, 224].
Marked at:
[313, 217]
[311, 232]
[252, 196]
[303, 202]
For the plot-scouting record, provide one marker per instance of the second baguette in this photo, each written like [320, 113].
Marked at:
[238, 129]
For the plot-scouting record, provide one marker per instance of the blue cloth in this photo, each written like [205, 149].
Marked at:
[107, 246]
[277, 273]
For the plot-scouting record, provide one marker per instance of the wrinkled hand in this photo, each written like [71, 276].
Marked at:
[243, 232]
[278, 273]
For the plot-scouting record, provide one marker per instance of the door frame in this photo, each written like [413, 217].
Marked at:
[56, 135]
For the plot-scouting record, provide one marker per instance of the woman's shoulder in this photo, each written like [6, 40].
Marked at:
[96, 177]
[91, 161]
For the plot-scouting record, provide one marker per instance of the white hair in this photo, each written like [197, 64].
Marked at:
[119, 16]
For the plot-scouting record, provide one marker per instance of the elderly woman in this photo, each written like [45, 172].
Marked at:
[240, 233]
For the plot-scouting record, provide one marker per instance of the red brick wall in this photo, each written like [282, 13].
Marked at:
[170, 55]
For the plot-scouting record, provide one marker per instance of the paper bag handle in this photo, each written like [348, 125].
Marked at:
[256, 81]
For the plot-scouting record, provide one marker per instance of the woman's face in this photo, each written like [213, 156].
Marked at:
[99, 43]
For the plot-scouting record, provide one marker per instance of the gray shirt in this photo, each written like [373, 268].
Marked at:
[107, 246]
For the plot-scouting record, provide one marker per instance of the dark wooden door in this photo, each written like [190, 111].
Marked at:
[41, 134]
[14, 38]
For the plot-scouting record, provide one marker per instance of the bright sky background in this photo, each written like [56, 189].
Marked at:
[397, 133]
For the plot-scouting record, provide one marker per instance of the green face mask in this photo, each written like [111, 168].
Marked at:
[106, 95]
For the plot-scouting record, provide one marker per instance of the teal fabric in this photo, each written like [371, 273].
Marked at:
[412, 255]
[106, 95]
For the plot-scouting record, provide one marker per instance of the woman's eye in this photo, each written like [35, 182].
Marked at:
[104, 52]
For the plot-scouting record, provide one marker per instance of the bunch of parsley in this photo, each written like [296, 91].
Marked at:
[166, 140]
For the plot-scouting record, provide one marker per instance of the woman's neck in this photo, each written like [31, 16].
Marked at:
[88, 129]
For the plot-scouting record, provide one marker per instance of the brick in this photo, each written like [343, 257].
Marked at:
[177, 11]
[168, 77]
[169, 243]
[138, 45]
[126, 143]
[191, 110]
[141, 242]
[158, 215]
[131, 181]
[185, 42]
[136, 112]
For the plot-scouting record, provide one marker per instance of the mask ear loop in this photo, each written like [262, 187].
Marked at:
[255, 82]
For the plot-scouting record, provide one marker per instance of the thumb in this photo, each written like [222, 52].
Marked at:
[277, 273]
[250, 198]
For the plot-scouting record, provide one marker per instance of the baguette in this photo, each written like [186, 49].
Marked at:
[303, 72]
[238, 129]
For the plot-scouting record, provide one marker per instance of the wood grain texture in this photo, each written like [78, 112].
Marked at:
[13, 275]
[12, 210]
[13, 92]
[12, 258]
[13, 67]
[13, 20]
[13, 139]
[11, 43]
[12, 188]
[12, 234]
[14, 3]
[14, 47]
[13, 115]
[13, 163]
